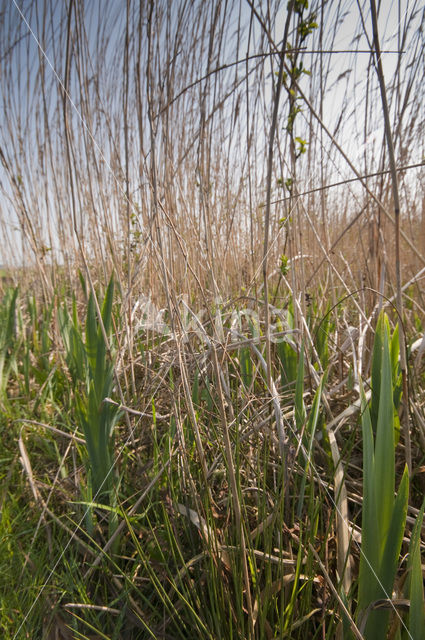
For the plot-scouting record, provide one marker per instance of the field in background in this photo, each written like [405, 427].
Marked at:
[212, 399]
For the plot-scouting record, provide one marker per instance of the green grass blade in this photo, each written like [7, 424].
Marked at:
[300, 413]
[195, 389]
[10, 315]
[310, 432]
[384, 447]
[7, 337]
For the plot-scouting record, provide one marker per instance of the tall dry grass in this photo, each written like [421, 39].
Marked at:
[144, 147]
[227, 163]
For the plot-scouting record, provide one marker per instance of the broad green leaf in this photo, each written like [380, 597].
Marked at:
[321, 339]
[395, 352]
[378, 620]
[91, 334]
[83, 283]
[246, 366]
[107, 306]
[383, 516]
[288, 362]
[416, 587]
[376, 371]
[93, 375]
[391, 552]
[369, 559]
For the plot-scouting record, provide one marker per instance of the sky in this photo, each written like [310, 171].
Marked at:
[345, 85]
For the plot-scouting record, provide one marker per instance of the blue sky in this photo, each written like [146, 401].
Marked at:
[21, 104]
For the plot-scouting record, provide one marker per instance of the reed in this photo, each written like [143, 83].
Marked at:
[208, 444]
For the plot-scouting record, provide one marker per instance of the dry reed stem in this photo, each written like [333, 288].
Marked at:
[390, 145]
